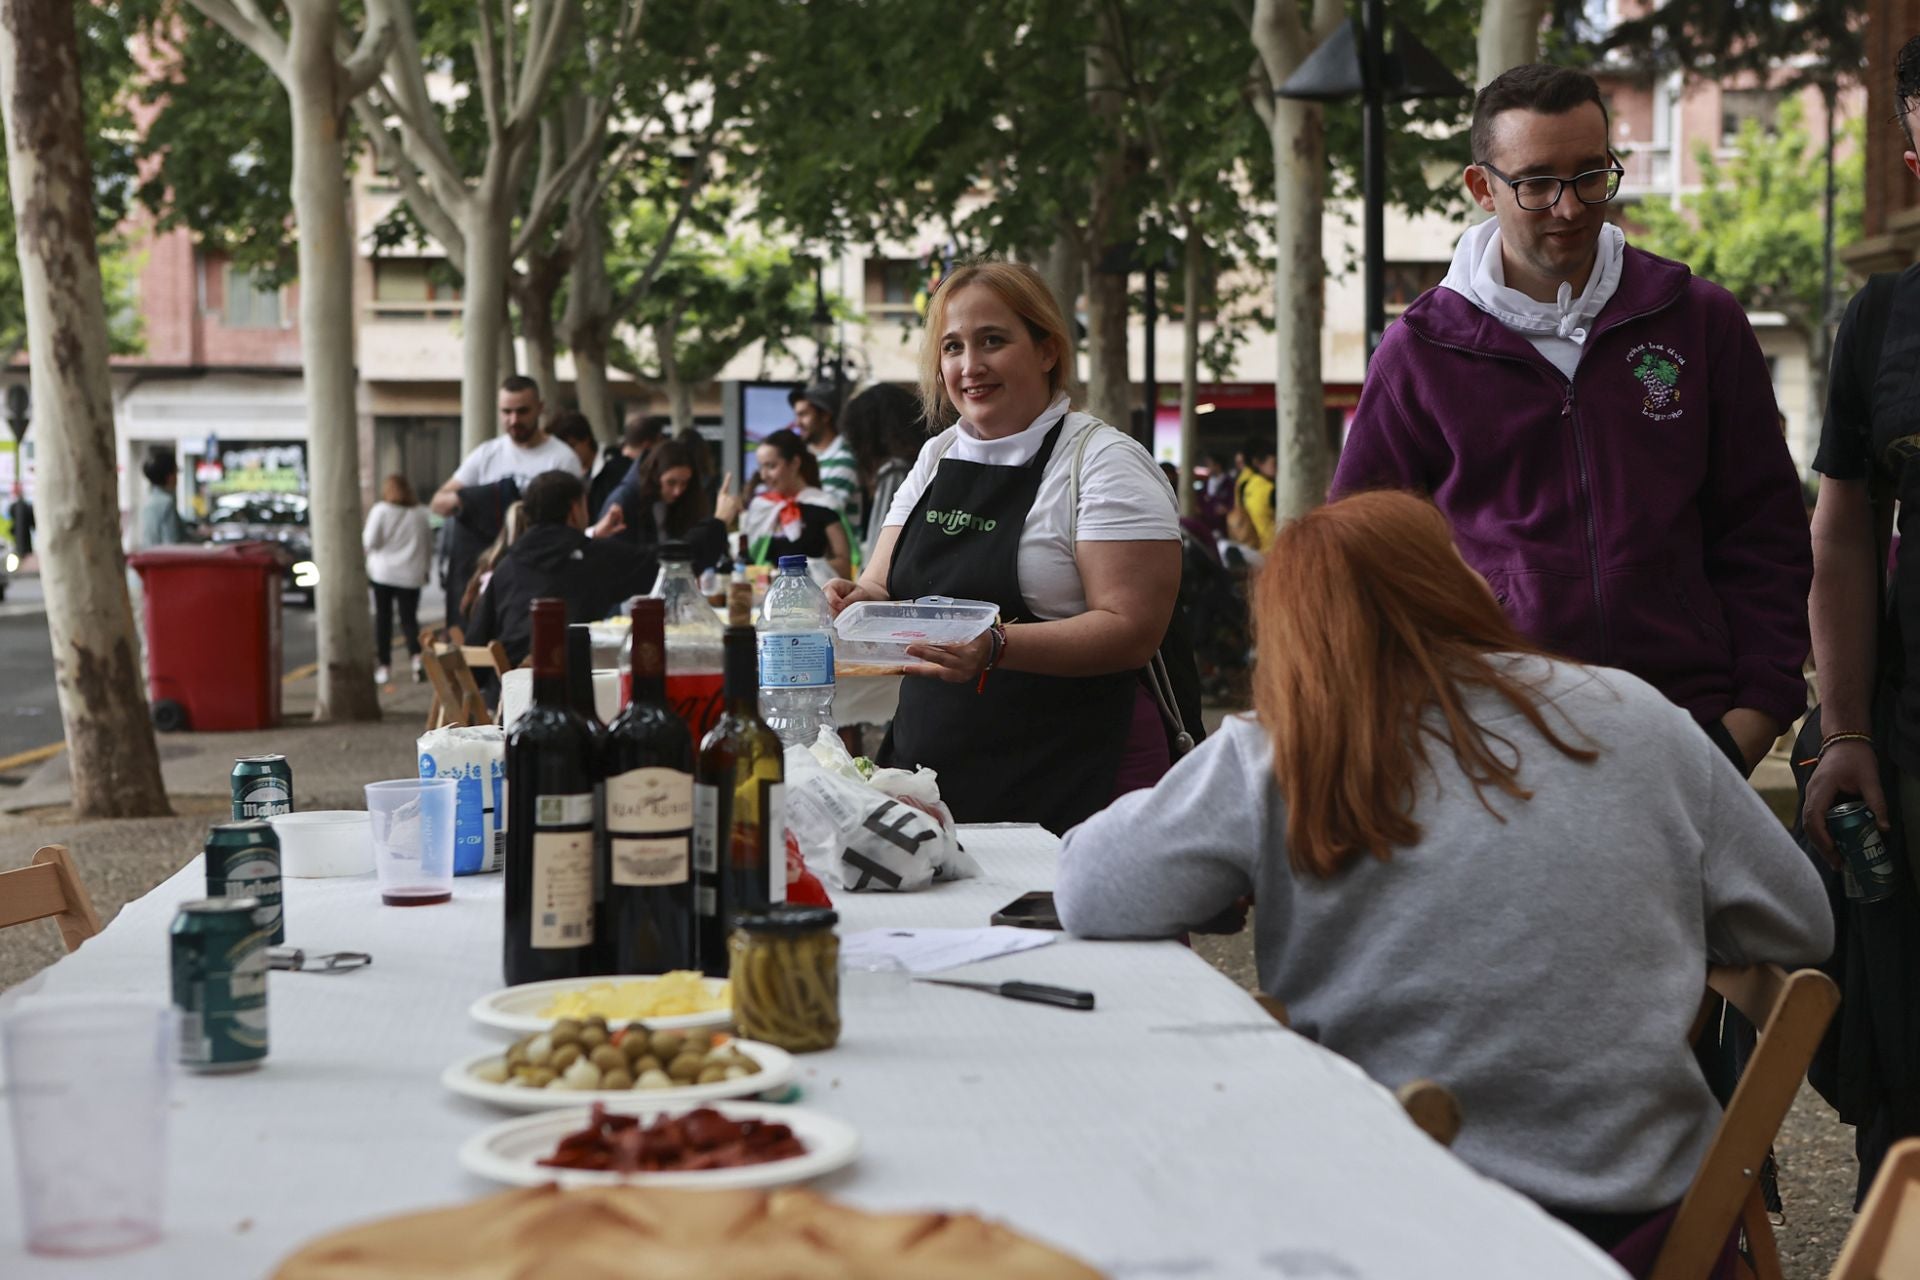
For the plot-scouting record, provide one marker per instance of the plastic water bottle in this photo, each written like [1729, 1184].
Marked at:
[796, 656]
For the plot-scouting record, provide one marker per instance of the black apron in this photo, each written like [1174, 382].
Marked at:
[1023, 747]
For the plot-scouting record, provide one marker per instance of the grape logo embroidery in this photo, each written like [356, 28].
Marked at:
[1658, 368]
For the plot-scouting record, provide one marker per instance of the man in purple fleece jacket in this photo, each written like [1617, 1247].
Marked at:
[1599, 427]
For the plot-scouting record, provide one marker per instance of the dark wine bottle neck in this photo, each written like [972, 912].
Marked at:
[740, 672]
[550, 690]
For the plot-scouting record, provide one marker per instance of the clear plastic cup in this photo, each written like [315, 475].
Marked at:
[413, 821]
[873, 984]
[87, 1082]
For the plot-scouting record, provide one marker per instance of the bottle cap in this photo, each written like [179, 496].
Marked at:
[793, 564]
[676, 550]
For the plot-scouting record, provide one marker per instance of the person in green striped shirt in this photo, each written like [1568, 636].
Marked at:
[816, 411]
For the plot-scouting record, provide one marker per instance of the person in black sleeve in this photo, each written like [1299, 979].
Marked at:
[1865, 735]
[554, 557]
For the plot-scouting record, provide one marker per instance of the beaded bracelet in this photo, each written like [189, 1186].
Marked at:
[997, 645]
[1832, 738]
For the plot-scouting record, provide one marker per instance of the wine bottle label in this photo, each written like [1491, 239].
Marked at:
[706, 901]
[774, 806]
[649, 801]
[562, 887]
[706, 828]
[646, 862]
[563, 811]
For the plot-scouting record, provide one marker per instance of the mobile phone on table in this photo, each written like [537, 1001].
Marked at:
[1029, 911]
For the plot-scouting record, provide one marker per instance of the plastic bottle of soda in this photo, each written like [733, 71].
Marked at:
[796, 656]
[694, 636]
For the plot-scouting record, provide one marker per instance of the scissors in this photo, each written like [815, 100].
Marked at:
[1038, 993]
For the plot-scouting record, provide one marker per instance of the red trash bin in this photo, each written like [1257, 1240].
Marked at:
[212, 620]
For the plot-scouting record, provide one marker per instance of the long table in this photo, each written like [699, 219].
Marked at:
[1175, 1131]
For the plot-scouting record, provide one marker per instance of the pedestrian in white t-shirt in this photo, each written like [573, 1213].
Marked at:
[523, 450]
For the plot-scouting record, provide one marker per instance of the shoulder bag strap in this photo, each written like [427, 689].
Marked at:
[1158, 681]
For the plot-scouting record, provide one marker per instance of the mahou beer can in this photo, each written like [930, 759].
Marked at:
[262, 787]
[243, 860]
[220, 984]
[1857, 836]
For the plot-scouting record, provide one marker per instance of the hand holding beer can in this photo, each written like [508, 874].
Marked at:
[1867, 869]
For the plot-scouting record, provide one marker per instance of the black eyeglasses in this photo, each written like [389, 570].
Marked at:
[1537, 195]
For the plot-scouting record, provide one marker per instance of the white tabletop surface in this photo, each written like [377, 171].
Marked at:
[1175, 1131]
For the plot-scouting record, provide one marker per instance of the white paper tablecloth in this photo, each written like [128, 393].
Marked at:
[1175, 1131]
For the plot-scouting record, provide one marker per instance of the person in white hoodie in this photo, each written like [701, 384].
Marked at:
[399, 548]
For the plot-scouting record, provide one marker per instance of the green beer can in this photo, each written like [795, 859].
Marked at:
[220, 984]
[262, 787]
[243, 861]
[1868, 868]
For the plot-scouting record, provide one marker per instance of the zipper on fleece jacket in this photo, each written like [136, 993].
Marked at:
[1592, 526]
[1538, 364]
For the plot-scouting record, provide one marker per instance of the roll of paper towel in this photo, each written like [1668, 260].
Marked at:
[476, 758]
[516, 692]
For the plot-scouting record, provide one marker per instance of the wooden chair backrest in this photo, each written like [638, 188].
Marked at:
[1432, 1108]
[491, 656]
[1885, 1241]
[49, 886]
[448, 707]
[1792, 1011]
[473, 707]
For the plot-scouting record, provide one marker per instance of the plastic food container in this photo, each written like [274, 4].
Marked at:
[324, 842]
[877, 632]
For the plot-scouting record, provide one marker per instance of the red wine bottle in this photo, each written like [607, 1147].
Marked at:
[646, 894]
[552, 769]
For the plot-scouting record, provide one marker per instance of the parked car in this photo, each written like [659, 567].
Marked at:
[270, 517]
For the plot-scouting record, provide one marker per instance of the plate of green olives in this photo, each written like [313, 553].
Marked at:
[579, 1061]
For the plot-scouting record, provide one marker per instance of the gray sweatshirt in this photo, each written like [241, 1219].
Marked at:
[1546, 969]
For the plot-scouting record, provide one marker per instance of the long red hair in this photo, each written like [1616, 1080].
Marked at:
[1368, 621]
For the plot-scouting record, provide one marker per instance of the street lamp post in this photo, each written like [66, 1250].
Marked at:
[829, 363]
[1357, 61]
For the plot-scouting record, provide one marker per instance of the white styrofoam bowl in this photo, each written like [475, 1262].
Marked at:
[324, 842]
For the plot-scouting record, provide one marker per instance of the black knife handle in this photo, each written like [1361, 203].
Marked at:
[1040, 993]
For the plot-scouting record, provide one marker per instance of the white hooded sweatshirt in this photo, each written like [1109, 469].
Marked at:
[1558, 329]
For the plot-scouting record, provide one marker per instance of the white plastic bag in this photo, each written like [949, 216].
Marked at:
[870, 837]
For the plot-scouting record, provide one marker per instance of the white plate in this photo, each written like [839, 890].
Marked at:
[510, 1152]
[776, 1069]
[517, 1009]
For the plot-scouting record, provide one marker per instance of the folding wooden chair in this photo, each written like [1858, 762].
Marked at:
[1792, 1011]
[1885, 1241]
[458, 664]
[448, 707]
[49, 886]
[1432, 1108]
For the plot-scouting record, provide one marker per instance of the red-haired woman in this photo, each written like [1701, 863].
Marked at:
[1471, 862]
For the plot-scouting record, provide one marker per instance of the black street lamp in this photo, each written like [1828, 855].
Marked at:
[829, 355]
[1357, 61]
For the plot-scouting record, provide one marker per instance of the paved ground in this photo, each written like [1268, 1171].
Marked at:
[123, 860]
[30, 715]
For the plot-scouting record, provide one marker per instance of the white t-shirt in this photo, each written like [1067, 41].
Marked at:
[1124, 497]
[501, 459]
